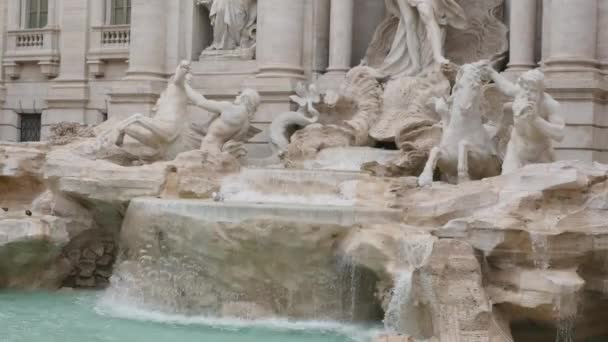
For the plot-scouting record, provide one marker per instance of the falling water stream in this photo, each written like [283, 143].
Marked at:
[401, 312]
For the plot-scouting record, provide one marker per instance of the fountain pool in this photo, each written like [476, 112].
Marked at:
[81, 316]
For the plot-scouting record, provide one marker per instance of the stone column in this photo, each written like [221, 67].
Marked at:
[280, 61]
[68, 96]
[146, 77]
[98, 9]
[572, 71]
[341, 36]
[280, 39]
[148, 33]
[14, 15]
[573, 42]
[52, 13]
[522, 39]
[603, 37]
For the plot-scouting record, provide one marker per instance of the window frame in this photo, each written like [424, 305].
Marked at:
[112, 18]
[41, 18]
[33, 117]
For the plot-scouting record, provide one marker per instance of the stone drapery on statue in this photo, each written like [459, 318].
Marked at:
[416, 34]
[234, 28]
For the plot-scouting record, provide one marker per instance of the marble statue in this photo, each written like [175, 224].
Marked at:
[230, 122]
[168, 130]
[351, 112]
[536, 122]
[284, 125]
[466, 149]
[418, 34]
[419, 40]
[234, 27]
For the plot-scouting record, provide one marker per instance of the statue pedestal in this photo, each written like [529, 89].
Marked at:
[239, 54]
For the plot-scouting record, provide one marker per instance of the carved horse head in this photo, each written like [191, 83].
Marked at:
[467, 95]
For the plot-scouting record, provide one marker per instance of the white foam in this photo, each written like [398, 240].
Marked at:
[360, 333]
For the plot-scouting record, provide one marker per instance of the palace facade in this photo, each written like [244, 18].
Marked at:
[89, 60]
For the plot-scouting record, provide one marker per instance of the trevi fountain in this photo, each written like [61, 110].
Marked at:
[417, 197]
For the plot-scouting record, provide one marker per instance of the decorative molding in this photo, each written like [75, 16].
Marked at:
[32, 45]
[108, 42]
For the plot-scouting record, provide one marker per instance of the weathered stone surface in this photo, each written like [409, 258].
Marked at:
[180, 253]
[538, 235]
[29, 248]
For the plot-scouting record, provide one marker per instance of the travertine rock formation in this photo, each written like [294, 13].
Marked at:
[482, 260]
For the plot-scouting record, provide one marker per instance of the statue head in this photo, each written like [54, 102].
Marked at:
[467, 92]
[532, 82]
[250, 99]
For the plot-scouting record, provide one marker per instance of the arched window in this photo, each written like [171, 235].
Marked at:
[37, 13]
[120, 11]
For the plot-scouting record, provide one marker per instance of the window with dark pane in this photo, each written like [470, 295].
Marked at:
[37, 13]
[30, 127]
[121, 12]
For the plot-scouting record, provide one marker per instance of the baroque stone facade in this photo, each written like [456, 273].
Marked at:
[84, 64]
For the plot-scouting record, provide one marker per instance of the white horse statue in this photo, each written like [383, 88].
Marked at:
[168, 131]
[467, 150]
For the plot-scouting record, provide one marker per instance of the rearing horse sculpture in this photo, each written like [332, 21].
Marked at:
[168, 131]
[466, 150]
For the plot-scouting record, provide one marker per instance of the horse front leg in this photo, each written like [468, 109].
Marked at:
[122, 127]
[426, 177]
[463, 162]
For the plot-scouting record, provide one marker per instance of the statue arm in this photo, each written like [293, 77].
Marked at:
[215, 107]
[505, 86]
[555, 125]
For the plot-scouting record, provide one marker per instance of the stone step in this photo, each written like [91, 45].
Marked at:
[234, 212]
[317, 187]
[349, 158]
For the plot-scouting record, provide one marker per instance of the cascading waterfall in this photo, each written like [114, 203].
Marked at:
[566, 309]
[400, 315]
[348, 285]
[540, 249]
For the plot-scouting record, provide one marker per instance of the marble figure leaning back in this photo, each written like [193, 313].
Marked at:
[230, 122]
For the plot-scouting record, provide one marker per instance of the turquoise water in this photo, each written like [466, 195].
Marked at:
[77, 317]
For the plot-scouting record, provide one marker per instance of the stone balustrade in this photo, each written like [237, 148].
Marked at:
[115, 36]
[108, 42]
[39, 46]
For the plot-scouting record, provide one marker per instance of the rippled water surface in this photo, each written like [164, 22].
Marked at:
[78, 316]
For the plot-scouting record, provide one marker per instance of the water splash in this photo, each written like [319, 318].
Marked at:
[566, 309]
[402, 312]
[110, 307]
[540, 250]
[401, 298]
